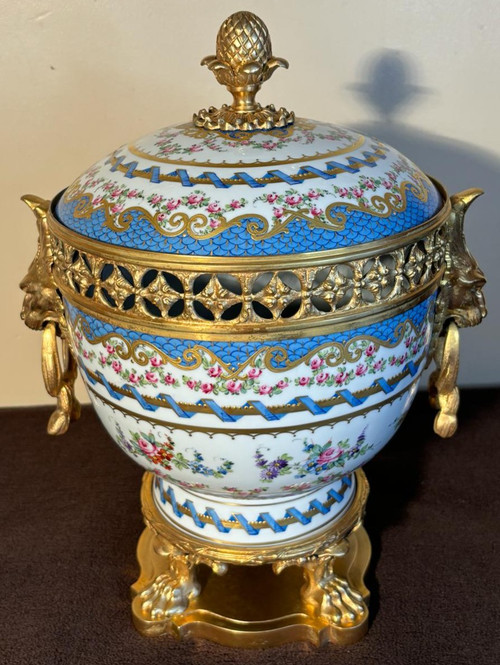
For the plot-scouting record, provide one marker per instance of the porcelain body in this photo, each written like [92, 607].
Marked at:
[248, 431]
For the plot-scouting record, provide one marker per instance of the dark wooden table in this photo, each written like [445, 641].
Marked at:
[70, 519]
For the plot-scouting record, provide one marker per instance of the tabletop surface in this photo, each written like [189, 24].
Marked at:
[70, 519]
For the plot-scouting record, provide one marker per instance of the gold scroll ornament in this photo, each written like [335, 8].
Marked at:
[460, 304]
[43, 310]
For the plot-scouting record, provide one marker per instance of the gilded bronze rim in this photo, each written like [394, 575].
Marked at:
[275, 330]
[250, 298]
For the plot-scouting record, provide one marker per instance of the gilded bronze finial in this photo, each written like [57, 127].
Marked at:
[243, 62]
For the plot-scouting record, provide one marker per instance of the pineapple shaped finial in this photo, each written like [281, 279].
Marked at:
[243, 39]
[243, 61]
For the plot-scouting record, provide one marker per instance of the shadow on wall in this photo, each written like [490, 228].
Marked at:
[389, 85]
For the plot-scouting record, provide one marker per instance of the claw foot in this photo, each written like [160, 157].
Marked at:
[170, 592]
[335, 600]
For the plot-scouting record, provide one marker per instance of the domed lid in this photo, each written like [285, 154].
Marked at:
[246, 180]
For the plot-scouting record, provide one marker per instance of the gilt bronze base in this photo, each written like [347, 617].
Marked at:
[310, 589]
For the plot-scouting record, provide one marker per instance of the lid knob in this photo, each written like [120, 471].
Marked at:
[244, 60]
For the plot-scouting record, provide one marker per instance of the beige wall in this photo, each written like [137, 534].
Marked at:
[80, 78]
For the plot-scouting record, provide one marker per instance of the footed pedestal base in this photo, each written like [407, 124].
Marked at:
[301, 589]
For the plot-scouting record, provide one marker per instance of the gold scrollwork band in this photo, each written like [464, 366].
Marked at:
[274, 358]
[195, 226]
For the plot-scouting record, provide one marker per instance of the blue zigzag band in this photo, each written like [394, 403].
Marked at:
[410, 369]
[240, 521]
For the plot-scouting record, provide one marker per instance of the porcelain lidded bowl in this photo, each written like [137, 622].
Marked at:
[251, 299]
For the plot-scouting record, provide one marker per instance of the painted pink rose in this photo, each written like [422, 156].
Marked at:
[156, 362]
[387, 184]
[340, 378]
[97, 200]
[194, 199]
[235, 204]
[213, 207]
[214, 371]
[233, 387]
[116, 365]
[402, 358]
[134, 378]
[269, 145]
[172, 204]
[358, 193]
[132, 194]
[322, 377]
[253, 372]
[408, 342]
[102, 359]
[191, 384]
[265, 390]
[414, 348]
[361, 369]
[313, 194]
[316, 363]
[298, 487]
[370, 350]
[214, 223]
[328, 455]
[110, 348]
[271, 198]
[278, 212]
[377, 365]
[156, 199]
[78, 335]
[343, 192]
[293, 199]
[195, 148]
[108, 186]
[118, 207]
[282, 384]
[151, 377]
[392, 361]
[169, 379]
[207, 387]
[316, 212]
[115, 193]
[146, 446]
[393, 176]
[85, 354]
[369, 183]
[303, 381]
[161, 216]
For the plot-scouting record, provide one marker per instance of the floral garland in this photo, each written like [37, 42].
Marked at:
[163, 455]
[320, 374]
[318, 459]
[168, 144]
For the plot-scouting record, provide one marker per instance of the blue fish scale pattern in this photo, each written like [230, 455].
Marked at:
[361, 227]
[236, 353]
